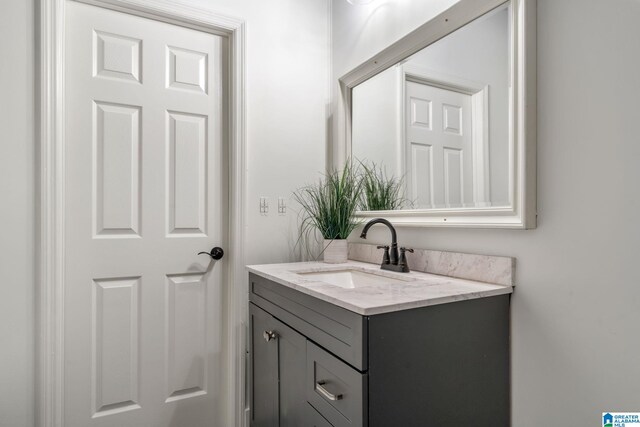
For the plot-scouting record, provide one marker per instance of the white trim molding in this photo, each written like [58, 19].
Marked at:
[521, 212]
[50, 263]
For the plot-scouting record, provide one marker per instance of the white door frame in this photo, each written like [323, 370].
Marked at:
[479, 93]
[50, 232]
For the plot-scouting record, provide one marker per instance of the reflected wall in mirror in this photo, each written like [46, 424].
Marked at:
[441, 120]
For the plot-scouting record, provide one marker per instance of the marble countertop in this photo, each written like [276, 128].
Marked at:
[418, 290]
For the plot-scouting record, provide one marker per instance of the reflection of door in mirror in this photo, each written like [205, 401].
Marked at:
[438, 146]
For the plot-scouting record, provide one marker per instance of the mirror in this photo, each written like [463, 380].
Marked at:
[451, 122]
[439, 120]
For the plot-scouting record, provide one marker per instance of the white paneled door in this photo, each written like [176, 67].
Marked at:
[438, 146]
[145, 191]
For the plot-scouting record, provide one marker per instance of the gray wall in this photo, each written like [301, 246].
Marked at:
[575, 311]
[288, 98]
[16, 213]
[375, 127]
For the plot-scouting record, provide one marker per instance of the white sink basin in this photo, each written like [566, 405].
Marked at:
[351, 278]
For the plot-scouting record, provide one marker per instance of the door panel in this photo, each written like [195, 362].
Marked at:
[116, 321]
[186, 336]
[117, 169]
[145, 191]
[186, 183]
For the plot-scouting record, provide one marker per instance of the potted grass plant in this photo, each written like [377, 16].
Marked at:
[328, 208]
[380, 192]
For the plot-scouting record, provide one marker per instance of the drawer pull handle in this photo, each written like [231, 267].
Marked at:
[269, 335]
[326, 393]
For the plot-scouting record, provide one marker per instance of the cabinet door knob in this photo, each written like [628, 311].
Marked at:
[269, 335]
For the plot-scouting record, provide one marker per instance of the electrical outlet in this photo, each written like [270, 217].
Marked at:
[264, 205]
[282, 206]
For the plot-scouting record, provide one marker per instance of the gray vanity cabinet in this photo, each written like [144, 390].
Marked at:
[314, 364]
[278, 367]
[314, 419]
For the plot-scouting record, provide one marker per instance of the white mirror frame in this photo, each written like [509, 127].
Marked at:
[522, 161]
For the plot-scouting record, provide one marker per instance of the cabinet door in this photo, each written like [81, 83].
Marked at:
[264, 370]
[292, 350]
[278, 361]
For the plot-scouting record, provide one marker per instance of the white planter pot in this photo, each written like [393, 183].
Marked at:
[335, 251]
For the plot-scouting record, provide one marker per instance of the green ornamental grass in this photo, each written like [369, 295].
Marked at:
[379, 191]
[330, 204]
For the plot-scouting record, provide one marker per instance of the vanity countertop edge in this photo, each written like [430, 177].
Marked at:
[420, 290]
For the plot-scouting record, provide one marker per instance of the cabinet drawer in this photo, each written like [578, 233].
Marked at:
[336, 390]
[342, 332]
[314, 419]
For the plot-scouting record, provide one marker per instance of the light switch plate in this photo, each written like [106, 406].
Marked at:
[282, 206]
[264, 205]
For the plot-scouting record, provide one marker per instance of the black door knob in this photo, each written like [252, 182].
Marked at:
[216, 253]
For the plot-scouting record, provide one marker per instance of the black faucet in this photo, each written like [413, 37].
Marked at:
[390, 260]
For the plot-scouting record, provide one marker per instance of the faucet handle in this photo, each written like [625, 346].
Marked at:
[385, 258]
[404, 265]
